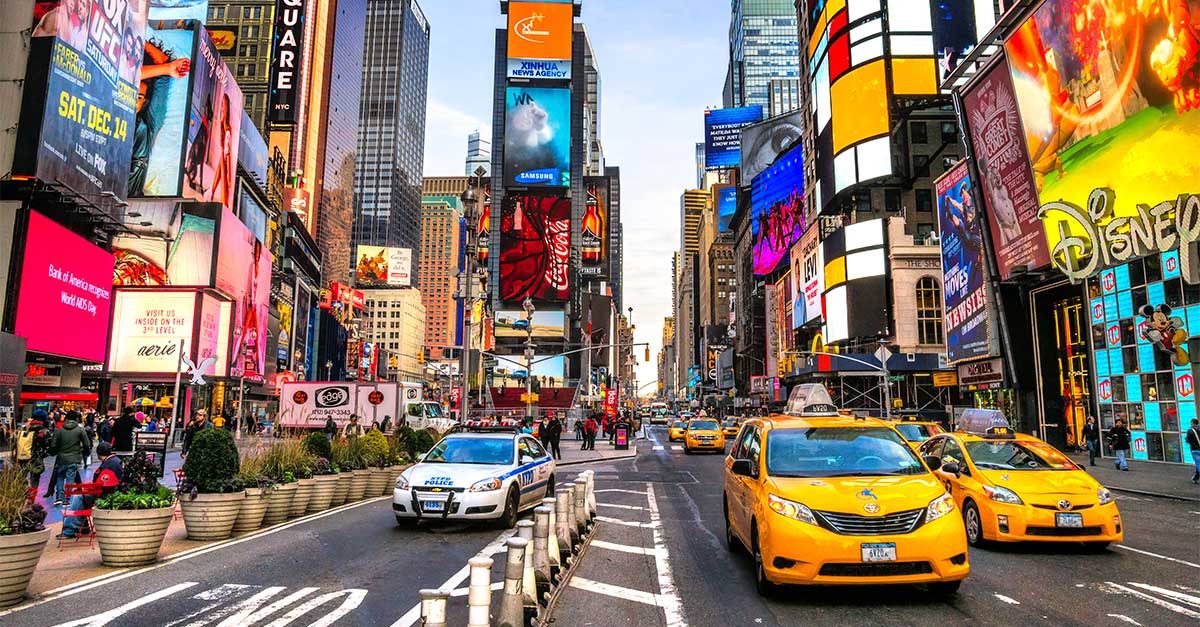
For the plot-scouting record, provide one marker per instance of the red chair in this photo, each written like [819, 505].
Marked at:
[85, 490]
[31, 496]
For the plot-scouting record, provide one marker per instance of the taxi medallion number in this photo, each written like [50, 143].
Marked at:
[1068, 520]
[879, 552]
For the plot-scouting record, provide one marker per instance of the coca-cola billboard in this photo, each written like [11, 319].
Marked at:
[535, 248]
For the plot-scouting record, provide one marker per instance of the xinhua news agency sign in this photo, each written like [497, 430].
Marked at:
[1093, 239]
[540, 69]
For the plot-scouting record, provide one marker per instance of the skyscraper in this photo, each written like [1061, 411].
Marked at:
[441, 218]
[763, 44]
[391, 132]
[692, 205]
[479, 154]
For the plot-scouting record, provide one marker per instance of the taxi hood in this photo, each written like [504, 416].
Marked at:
[852, 494]
[1043, 481]
[443, 475]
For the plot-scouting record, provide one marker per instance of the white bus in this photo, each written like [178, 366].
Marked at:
[658, 413]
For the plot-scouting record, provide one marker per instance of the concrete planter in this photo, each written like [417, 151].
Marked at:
[358, 485]
[300, 500]
[341, 488]
[19, 556]
[131, 537]
[322, 493]
[279, 503]
[252, 510]
[211, 516]
[377, 483]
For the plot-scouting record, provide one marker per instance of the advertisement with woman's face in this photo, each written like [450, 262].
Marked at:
[244, 274]
[158, 131]
[214, 125]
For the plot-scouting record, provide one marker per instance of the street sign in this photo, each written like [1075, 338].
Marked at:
[883, 354]
[945, 379]
[896, 378]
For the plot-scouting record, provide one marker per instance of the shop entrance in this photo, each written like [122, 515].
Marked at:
[1063, 363]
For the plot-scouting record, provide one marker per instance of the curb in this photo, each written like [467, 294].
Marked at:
[597, 461]
[1159, 495]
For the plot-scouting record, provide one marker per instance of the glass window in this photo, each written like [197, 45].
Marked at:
[920, 166]
[952, 453]
[933, 447]
[839, 451]
[891, 199]
[949, 132]
[1017, 455]
[919, 132]
[535, 447]
[929, 311]
[924, 200]
[471, 451]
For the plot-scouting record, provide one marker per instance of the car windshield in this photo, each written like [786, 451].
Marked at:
[471, 451]
[917, 433]
[729, 423]
[839, 452]
[703, 425]
[433, 410]
[680, 424]
[1014, 455]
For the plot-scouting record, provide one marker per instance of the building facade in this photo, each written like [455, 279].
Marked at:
[394, 319]
[763, 45]
[479, 154]
[441, 224]
[249, 27]
[784, 96]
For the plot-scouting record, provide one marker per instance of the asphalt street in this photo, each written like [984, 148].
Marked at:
[684, 576]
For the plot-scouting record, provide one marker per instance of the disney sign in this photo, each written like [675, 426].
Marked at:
[1107, 240]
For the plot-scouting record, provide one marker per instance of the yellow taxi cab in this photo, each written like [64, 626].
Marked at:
[677, 430]
[823, 498]
[1014, 487]
[916, 432]
[730, 427]
[703, 434]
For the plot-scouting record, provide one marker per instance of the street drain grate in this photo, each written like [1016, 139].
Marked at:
[648, 477]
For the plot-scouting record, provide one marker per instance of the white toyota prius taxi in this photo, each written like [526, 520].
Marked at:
[475, 476]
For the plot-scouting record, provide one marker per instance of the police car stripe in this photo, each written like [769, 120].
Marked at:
[533, 487]
[520, 469]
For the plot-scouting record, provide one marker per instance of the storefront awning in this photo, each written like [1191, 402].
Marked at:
[58, 394]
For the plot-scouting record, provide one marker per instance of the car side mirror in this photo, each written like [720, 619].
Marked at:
[525, 459]
[743, 468]
[953, 469]
[933, 461]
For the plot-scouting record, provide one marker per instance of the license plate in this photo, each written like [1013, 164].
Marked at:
[433, 506]
[879, 552]
[1068, 520]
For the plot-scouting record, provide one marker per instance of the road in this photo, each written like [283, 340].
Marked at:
[668, 505]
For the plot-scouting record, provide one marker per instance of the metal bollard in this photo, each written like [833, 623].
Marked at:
[433, 607]
[580, 494]
[567, 534]
[479, 593]
[529, 580]
[512, 603]
[541, 549]
[552, 530]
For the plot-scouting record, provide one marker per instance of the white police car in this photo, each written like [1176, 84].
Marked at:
[475, 476]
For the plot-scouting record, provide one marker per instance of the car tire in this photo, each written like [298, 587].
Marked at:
[549, 488]
[944, 588]
[731, 541]
[973, 523]
[762, 584]
[512, 508]
[687, 449]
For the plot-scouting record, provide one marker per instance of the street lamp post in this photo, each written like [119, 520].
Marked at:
[529, 311]
[470, 201]
[328, 370]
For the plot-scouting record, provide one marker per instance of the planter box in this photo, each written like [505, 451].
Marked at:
[252, 510]
[211, 516]
[377, 483]
[300, 500]
[341, 488]
[279, 503]
[131, 537]
[358, 485]
[322, 493]
[19, 556]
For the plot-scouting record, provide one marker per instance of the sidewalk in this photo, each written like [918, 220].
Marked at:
[571, 454]
[1149, 478]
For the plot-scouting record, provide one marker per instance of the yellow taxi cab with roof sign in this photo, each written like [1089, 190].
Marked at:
[1014, 487]
[822, 498]
[916, 431]
[703, 434]
[677, 430]
[730, 427]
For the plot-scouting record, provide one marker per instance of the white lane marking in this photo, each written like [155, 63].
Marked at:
[218, 594]
[1161, 557]
[1178, 609]
[658, 447]
[117, 612]
[1124, 618]
[632, 507]
[668, 596]
[462, 592]
[619, 592]
[1170, 594]
[354, 598]
[676, 447]
[238, 614]
[413, 615]
[641, 492]
[1008, 600]
[624, 548]
[627, 523]
[256, 614]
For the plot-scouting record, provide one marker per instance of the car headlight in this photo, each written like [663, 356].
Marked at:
[487, 485]
[1104, 496]
[401, 483]
[791, 509]
[939, 507]
[1002, 495]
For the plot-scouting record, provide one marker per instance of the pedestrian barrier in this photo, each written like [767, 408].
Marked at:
[479, 592]
[528, 580]
[433, 607]
[552, 536]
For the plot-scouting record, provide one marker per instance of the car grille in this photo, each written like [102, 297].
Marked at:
[887, 569]
[706, 438]
[1074, 508]
[1062, 532]
[855, 525]
[436, 489]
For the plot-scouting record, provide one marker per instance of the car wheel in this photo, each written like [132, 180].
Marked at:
[945, 588]
[762, 583]
[550, 487]
[974, 524]
[687, 449]
[731, 541]
[512, 506]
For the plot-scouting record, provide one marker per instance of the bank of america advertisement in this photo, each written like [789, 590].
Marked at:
[87, 55]
[537, 137]
[963, 290]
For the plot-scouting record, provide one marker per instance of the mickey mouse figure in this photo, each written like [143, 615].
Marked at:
[1165, 332]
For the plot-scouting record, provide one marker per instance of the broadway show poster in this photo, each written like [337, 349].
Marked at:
[214, 127]
[1008, 188]
[963, 289]
[537, 137]
[91, 66]
[535, 248]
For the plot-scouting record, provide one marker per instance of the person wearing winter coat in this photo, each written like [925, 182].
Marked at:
[70, 445]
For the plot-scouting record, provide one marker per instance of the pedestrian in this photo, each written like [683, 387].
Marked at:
[331, 428]
[70, 446]
[353, 429]
[551, 433]
[199, 422]
[589, 433]
[387, 423]
[579, 428]
[152, 426]
[218, 420]
[108, 476]
[33, 444]
[104, 433]
[1118, 439]
[122, 431]
[1193, 442]
[1091, 439]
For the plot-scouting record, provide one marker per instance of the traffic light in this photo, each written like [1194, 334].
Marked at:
[421, 356]
[647, 353]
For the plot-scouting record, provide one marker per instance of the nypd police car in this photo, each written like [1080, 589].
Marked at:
[489, 475]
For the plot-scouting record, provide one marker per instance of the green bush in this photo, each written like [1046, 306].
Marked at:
[375, 448]
[288, 460]
[250, 470]
[318, 445]
[423, 442]
[15, 515]
[128, 499]
[212, 464]
[406, 440]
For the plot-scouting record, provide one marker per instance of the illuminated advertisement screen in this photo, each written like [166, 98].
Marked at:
[244, 275]
[535, 248]
[172, 245]
[963, 290]
[777, 210]
[79, 132]
[547, 324]
[725, 197]
[762, 142]
[537, 137]
[212, 341]
[855, 301]
[722, 135]
[593, 230]
[179, 10]
[380, 266]
[147, 328]
[808, 277]
[65, 294]
[540, 30]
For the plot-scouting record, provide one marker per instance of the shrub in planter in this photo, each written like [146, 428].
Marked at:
[318, 445]
[376, 454]
[281, 463]
[326, 477]
[357, 458]
[340, 459]
[132, 520]
[303, 469]
[258, 490]
[22, 536]
[424, 442]
[210, 495]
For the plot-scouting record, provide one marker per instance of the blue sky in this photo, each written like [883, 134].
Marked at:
[661, 63]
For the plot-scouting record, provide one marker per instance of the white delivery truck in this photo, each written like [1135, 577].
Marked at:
[308, 404]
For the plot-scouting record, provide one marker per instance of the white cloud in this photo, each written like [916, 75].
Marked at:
[446, 130]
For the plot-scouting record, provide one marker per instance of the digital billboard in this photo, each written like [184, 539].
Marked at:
[214, 127]
[725, 200]
[594, 229]
[537, 137]
[545, 324]
[777, 210]
[253, 154]
[379, 266]
[540, 30]
[855, 301]
[81, 95]
[808, 277]
[212, 340]
[147, 327]
[762, 142]
[283, 97]
[963, 288]
[162, 121]
[722, 135]
[65, 293]
[535, 248]
[172, 244]
[244, 275]
[179, 10]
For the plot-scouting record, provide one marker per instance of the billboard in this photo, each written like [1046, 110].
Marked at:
[283, 97]
[379, 266]
[777, 210]
[856, 301]
[1009, 194]
[725, 200]
[539, 69]
[65, 293]
[540, 30]
[253, 155]
[244, 275]
[78, 131]
[594, 229]
[147, 327]
[722, 135]
[537, 137]
[771, 303]
[213, 334]
[761, 143]
[172, 245]
[179, 10]
[963, 288]
[808, 277]
[545, 324]
[535, 248]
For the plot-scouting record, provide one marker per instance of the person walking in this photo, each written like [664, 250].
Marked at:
[331, 428]
[551, 433]
[33, 444]
[1091, 439]
[1118, 439]
[1193, 442]
[122, 431]
[589, 433]
[104, 433]
[353, 429]
[107, 476]
[199, 422]
[69, 446]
